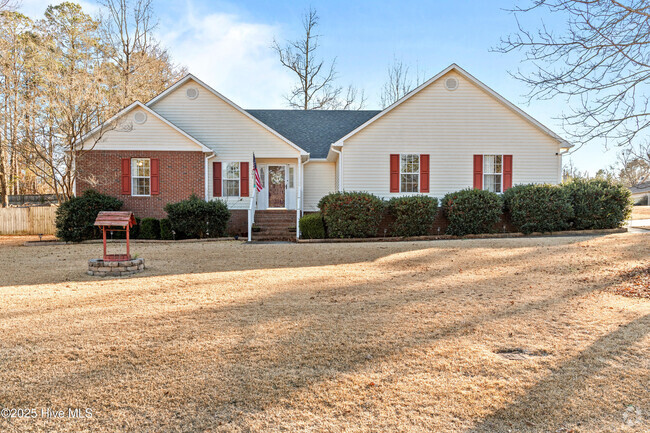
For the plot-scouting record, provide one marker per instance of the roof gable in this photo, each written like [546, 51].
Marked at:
[104, 127]
[230, 103]
[454, 67]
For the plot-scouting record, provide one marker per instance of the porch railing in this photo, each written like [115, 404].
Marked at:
[251, 214]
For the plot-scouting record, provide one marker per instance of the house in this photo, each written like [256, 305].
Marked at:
[641, 193]
[450, 133]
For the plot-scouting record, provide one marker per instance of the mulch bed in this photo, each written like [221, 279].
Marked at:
[635, 283]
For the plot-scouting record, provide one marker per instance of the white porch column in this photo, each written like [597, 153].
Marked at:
[299, 196]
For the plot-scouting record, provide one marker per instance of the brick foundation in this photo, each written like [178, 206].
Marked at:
[181, 175]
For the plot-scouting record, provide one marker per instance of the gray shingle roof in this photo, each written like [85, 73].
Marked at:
[640, 187]
[313, 130]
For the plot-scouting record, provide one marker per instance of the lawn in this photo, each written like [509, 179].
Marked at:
[489, 335]
[640, 212]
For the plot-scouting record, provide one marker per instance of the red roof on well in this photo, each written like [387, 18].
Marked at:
[115, 219]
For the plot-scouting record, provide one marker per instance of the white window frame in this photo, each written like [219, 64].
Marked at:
[492, 174]
[401, 172]
[133, 176]
[224, 179]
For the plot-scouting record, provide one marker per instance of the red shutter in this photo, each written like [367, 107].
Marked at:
[126, 176]
[243, 178]
[216, 179]
[155, 176]
[424, 173]
[507, 172]
[478, 171]
[394, 173]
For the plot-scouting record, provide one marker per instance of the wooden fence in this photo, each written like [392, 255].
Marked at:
[27, 220]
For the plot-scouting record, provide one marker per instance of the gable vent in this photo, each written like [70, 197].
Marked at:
[140, 117]
[192, 93]
[451, 83]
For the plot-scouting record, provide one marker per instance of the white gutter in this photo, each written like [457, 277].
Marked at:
[340, 163]
[205, 175]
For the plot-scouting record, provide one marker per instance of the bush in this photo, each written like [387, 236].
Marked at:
[312, 226]
[196, 218]
[75, 217]
[134, 231]
[538, 208]
[598, 204]
[166, 229]
[351, 214]
[150, 228]
[414, 215]
[472, 211]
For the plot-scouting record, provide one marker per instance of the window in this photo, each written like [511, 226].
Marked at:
[140, 176]
[492, 173]
[231, 179]
[291, 176]
[409, 173]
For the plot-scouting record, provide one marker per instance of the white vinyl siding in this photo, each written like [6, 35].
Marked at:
[154, 134]
[320, 180]
[451, 127]
[215, 123]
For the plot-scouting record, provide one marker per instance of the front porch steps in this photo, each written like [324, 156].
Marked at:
[275, 225]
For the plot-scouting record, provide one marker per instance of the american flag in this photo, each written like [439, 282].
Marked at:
[258, 180]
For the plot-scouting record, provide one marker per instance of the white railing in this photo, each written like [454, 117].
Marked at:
[251, 214]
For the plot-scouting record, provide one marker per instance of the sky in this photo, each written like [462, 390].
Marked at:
[227, 44]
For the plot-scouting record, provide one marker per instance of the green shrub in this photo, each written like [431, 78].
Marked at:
[196, 218]
[414, 215]
[598, 203]
[312, 226]
[351, 214]
[472, 211]
[150, 228]
[75, 217]
[166, 229]
[538, 208]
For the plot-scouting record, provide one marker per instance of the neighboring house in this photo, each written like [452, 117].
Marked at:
[450, 133]
[641, 193]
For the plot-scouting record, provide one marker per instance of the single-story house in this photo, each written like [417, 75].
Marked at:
[641, 193]
[450, 133]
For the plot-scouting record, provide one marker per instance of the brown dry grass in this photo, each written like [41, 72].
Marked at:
[640, 212]
[333, 337]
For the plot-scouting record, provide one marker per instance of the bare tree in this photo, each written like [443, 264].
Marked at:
[398, 83]
[633, 170]
[127, 27]
[7, 5]
[316, 88]
[598, 65]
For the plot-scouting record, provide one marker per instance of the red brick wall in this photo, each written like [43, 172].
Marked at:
[181, 175]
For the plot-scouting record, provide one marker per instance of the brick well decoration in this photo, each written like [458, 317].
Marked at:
[103, 268]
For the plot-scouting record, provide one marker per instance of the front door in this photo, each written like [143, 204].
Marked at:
[277, 185]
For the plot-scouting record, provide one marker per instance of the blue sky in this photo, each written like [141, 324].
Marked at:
[227, 44]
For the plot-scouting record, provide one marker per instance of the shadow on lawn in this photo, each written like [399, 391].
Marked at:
[221, 365]
[68, 263]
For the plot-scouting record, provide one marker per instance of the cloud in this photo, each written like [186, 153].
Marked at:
[231, 55]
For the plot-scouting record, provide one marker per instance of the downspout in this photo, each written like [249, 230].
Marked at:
[208, 156]
[340, 162]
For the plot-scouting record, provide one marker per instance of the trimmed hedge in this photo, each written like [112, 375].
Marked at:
[149, 228]
[538, 208]
[351, 214]
[195, 218]
[312, 226]
[166, 230]
[472, 211]
[75, 217]
[598, 204]
[414, 215]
